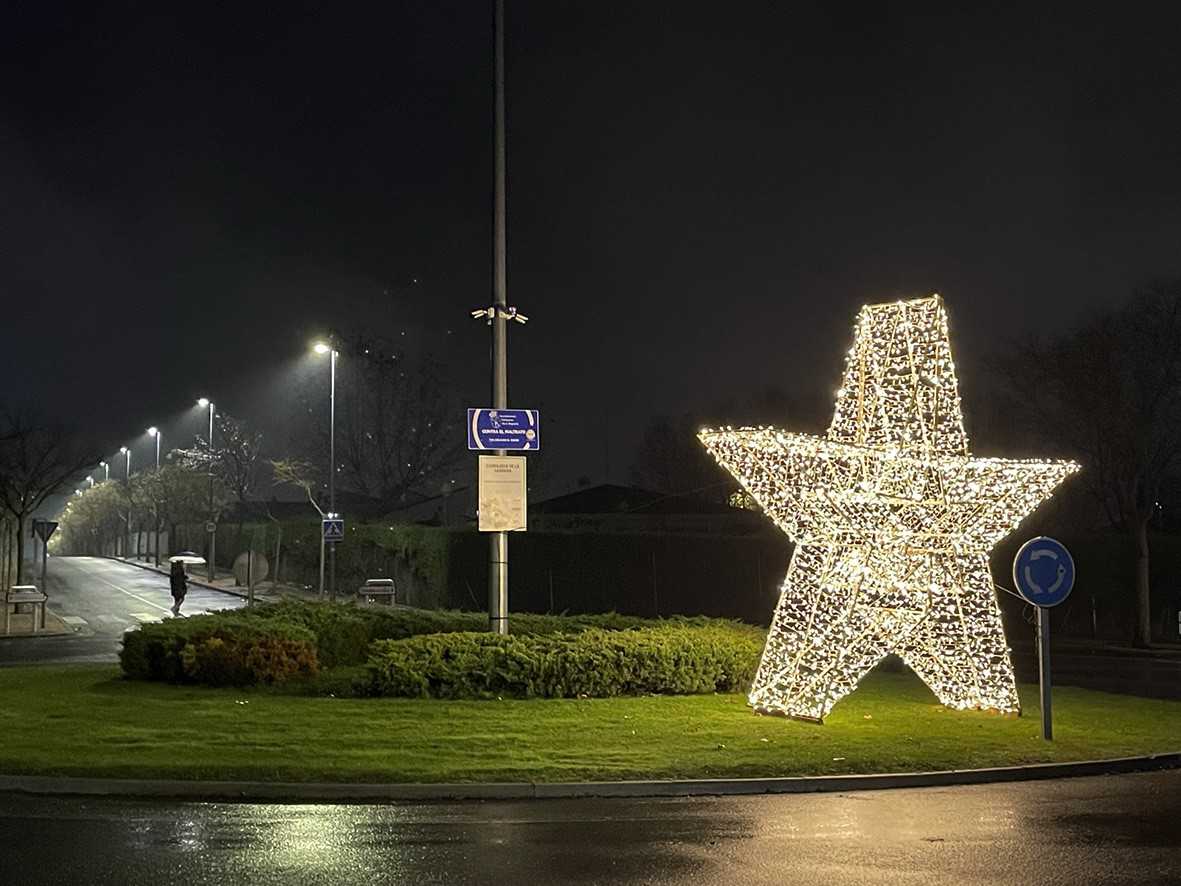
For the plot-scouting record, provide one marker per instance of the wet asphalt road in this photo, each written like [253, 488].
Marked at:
[101, 599]
[1112, 830]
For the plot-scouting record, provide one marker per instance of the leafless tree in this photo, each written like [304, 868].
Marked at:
[1110, 394]
[235, 459]
[398, 429]
[671, 459]
[37, 459]
[300, 474]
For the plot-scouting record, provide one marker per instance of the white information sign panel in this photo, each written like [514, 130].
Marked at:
[502, 493]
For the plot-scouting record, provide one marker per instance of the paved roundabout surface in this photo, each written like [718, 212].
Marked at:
[1110, 830]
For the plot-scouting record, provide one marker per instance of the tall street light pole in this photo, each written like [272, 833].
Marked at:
[498, 550]
[106, 467]
[155, 432]
[127, 480]
[211, 548]
[323, 348]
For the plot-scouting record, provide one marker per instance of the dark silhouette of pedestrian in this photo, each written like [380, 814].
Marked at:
[180, 585]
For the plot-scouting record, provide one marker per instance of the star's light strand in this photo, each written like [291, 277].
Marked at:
[893, 520]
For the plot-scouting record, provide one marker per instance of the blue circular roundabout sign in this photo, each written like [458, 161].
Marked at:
[1043, 571]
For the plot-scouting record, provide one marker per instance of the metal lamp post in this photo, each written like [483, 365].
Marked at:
[155, 432]
[206, 403]
[323, 348]
[106, 467]
[127, 480]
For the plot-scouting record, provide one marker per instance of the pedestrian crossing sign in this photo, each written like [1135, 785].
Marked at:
[333, 529]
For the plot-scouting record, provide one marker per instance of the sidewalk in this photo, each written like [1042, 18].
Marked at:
[21, 625]
[264, 591]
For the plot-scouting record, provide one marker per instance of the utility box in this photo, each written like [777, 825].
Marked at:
[378, 591]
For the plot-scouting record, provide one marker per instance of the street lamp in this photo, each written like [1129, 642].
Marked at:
[153, 431]
[123, 450]
[211, 525]
[90, 480]
[106, 467]
[325, 348]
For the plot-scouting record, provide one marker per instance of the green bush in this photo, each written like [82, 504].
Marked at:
[220, 649]
[344, 632]
[596, 663]
[294, 640]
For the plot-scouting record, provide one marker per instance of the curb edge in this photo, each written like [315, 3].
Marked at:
[368, 792]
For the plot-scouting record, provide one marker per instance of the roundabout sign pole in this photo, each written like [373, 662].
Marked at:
[1043, 572]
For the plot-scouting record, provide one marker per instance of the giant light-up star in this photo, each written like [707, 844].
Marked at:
[893, 520]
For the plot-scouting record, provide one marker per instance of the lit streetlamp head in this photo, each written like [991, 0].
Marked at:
[321, 348]
[102, 464]
[153, 431]
[203, 402]
[122, 450]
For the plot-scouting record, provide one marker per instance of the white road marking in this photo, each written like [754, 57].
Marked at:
[110, 619]
[146, 617]
[73, 620]
[129, 594]
[92, 573]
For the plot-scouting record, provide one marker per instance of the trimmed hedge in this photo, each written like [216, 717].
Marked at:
[673, 659]
[344, 632]
[219, 650]
[403, 651]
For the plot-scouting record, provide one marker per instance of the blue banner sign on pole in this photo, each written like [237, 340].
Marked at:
[503, 429]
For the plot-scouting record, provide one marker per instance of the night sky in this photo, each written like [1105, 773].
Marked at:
[700, 197]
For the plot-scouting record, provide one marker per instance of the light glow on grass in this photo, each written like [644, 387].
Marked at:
[86, 720]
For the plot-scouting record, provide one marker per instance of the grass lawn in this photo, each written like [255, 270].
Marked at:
[85, 719]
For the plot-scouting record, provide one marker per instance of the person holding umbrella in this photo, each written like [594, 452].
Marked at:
[178, 579]
[179, 583]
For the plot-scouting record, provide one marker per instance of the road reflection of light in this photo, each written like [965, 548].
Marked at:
[322, 839]
[1002, 816]
[189, 834]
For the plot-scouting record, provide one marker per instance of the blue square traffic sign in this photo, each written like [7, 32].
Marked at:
[333, 529]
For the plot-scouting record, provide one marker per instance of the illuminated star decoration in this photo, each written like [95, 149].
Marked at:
[892, 520]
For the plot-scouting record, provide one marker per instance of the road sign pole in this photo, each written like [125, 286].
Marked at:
[498, 541]
[1043, 660]
[321, 565]
[44, 586]
[1043, 573]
